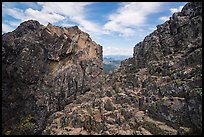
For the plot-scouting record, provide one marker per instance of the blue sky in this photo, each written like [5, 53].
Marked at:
[117, 26]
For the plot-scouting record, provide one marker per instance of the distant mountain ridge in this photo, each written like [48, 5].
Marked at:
[116, 57]
[112, 62]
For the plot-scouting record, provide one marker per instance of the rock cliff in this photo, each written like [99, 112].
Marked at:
[172, 58]
[44, 68]
[158, 91]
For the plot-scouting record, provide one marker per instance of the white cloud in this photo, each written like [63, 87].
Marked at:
[117, 51]
[65, 8]
[7, 28]
[124, 21]
[75, 12]
[13, 23]
[164, 18]
[178, 9]
[16, 13]
[43, 17]
[29, 4]
[29, 13]
[58, 11]
[131, 15]
[86, 25]
[172, 10]
[67, 24]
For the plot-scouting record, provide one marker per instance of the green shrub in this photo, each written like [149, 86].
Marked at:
[8, 132]
[179, 82]
[26, 122]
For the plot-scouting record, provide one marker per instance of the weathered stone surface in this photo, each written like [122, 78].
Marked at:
[45, 68]
[172, 56]
[158, 91]
[108, 104]
[143, 131]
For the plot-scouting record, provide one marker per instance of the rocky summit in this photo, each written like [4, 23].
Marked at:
[44, 69]
[53, 81]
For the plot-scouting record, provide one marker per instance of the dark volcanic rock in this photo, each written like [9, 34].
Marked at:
[44, 68]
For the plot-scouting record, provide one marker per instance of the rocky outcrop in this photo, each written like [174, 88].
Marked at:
[172, 59]
[44, 68]
[158, 91]
[172, 55]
